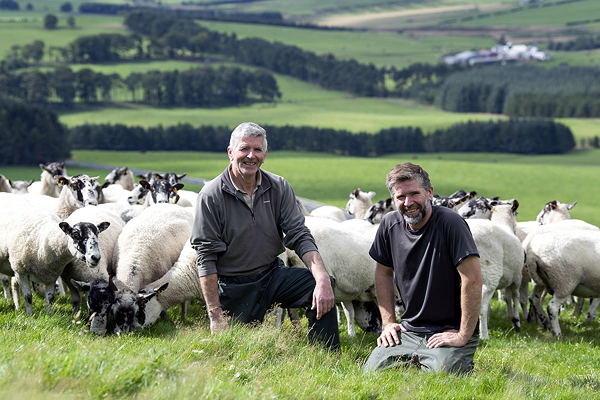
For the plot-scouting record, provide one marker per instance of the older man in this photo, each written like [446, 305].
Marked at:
[241, 218]
[432, 255]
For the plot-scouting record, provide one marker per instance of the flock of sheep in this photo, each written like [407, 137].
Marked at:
[125, 247]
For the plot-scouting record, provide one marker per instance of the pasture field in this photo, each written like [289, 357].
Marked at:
[557, 15]
[383, 49]
[301, 104]
[533, 180]
[52, 356]
[20, 27]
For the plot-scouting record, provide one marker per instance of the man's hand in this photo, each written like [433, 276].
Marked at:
[451, 338]
[218, 321]
[389, 336]
[323, 299]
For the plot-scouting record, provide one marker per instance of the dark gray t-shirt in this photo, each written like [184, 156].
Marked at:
[424, 264]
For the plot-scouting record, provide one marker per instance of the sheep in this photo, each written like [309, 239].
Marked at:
[359, 203]
[177, 286]
[20, 187]
[565, 261]
[454, 201]
[329, 212]
[109, 252]
[554, 211]
[36, 245]
[379, 209]
[501, 258]
[149, 245]
[346, 258]
[5, 184]
[120, 176]
[47, 184]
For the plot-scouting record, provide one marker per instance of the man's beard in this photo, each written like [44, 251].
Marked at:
[419, 217]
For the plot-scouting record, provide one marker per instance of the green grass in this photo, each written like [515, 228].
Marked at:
[52, 356]
[383, 49]
[533, 180]
[556, 15]
[20, 33]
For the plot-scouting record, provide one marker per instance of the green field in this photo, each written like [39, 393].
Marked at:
[53, 356]
[557, 15]
[19, 28]
[533, 180]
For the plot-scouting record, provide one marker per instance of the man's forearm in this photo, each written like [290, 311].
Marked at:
[210, 291]
[314, 262]
[384, 287]
[470, 295]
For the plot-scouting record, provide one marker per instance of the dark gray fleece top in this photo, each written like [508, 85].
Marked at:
[232, 239]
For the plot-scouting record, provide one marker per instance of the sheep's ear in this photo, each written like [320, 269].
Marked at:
[145, 184]
[105, 185]
[472, 195]
[42, 166]
[65, 227]
[61, 180]
[83, 286]
[140, 176]
[144, 295]
[181, 176]
[178, 186]
[116, 285]
[371, 195]
[515, 205]
[102, 226]
[571, 205]
[159, 176]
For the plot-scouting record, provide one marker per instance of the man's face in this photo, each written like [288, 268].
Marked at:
[413, 202]
[247, 157]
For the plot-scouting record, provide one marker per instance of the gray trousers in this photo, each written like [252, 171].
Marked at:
[246, 299]
[414, 352]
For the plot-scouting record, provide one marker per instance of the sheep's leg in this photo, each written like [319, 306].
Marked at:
[536, 312]
[578, 306]
[592, 310]
[25, 283]
[486, 297]
[511, 294]
[349, 313]
[6, 286]
[75, 297]
[523, 295]
[294, 315]
[49, 296]
[279, 317]
[14, 285]
[60, 287]
[184, 310]
[553, 310]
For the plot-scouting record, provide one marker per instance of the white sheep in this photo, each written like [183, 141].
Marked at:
[555, 211]
[149, 245]
[120, 176]
[20, 187]
[346, 258]
[329, 212]
[5, 184]
[107, 243]
[36, 245]
[359, 203]
[565, 261]
[47, 185]
[501, 259]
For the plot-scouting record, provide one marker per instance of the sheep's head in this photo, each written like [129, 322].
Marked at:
[84, 188]
[84, 240]
[54, 168]
[100, 298]
[367, 316]
[358, 196]
[139, 192]
[379, 209]
[555, 211]
[129, 310]
[163, 192]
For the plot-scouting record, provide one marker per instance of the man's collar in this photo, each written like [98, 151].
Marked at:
[258, 180]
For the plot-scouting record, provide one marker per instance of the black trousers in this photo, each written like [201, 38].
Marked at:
[247, 299]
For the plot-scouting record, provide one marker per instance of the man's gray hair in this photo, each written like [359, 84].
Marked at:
[406, 172]
[247, 129]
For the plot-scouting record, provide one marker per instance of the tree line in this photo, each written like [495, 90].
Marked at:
[30, 135]
[585, 42]
[513, 136]
[200, 87]
[524, 90]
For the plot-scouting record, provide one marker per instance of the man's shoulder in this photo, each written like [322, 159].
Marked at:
[213, 186]
[391, 219]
